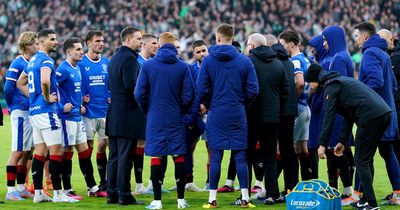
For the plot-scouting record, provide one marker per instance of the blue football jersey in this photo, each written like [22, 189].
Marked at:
[141, 60]
[95, 84]
[14, 98]
[301, 64]
[69, 86]
[196, 71]
[37, 102]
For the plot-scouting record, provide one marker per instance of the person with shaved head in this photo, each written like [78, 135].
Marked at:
[271, 39]
[393, 50]
[264, 114]
[376, 73]
[165, 92]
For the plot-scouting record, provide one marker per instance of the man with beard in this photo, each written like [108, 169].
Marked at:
[42, 92]
[125, 122]
[96, 97]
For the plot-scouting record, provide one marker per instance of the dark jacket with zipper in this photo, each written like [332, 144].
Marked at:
[289, 106]
[273, 86]
[352, 99]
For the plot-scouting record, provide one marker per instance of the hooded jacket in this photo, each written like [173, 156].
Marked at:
[227, 85]
[289, 106]
[164, 92]
[376, 73]
[323, 58]
[316, 99]
[341, 59]
[350, 98]
[273, 86]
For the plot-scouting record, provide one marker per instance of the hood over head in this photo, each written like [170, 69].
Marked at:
[336, 39]
[318, 43]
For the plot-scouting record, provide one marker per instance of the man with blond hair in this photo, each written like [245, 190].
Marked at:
[21, 130]
[164, 92]
[227, 85]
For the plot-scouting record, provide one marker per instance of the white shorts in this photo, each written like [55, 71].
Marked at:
[73, 133]
[21, 131]
[93, 126]
[302, 125]
[46, 129]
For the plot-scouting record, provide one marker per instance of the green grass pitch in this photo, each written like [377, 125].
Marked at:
[381, 183]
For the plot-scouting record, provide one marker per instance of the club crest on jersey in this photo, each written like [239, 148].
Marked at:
[104, 68]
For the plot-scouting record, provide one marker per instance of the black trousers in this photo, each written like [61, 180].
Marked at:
[119, 167]
[338, 166]
[289, 161]
[1, 116]
[267, 135]
[367, 140]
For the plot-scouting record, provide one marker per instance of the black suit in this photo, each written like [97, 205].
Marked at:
[125, 123]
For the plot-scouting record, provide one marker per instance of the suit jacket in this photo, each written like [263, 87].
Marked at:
[124, 118]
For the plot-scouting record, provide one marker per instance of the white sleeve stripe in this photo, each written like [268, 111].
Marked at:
[298, 72]
[296, 64]
[24, 73]
[45, 67]
[13, 70]
[58, 74]
[12, 79]
[48, 61]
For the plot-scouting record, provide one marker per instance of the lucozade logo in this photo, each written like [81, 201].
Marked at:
[310, 204]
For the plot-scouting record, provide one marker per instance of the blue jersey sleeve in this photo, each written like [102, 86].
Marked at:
[12, 75]
[47, 63]
[297, 66]
[13, 72]
[61, 75]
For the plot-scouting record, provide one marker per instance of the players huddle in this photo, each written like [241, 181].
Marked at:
[268, 106]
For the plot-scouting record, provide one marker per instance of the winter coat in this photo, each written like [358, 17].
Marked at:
[164, 92]
[227, 85]
[376, 72]
[124, 118]
[273, 86]
[350, 98]
[289, 107]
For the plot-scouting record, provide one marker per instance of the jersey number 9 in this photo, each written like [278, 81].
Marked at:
[31, 82]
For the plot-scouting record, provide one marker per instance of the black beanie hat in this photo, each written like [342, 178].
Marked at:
[312, 74]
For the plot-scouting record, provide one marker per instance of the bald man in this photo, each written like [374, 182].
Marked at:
[271, 39]
[394, 52]
[264, 114]
[388, 36]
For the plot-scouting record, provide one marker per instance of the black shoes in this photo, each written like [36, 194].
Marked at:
[129, 201]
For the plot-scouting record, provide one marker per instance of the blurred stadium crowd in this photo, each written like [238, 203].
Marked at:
[188, 19]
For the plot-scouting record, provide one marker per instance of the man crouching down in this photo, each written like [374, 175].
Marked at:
[164, 92]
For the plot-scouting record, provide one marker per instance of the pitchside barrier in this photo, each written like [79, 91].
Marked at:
[313, 194]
